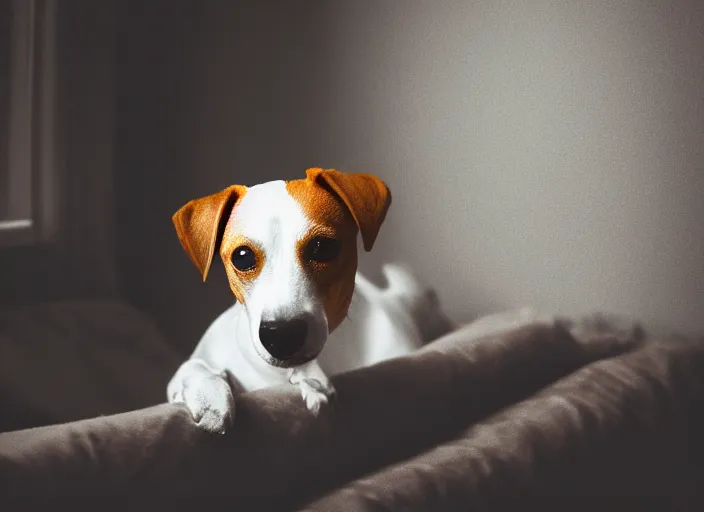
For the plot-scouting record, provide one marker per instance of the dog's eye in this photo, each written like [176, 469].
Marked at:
[243, 258]
[322, 249]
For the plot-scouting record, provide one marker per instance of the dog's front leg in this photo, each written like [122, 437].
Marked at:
[205, 392]
[316, 388]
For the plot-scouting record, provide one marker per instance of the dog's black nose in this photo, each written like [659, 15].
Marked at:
[283, 339]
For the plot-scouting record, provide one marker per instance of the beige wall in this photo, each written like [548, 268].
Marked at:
[543, 152]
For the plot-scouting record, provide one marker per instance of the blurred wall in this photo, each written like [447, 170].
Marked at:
[545, 152]
[208, 94]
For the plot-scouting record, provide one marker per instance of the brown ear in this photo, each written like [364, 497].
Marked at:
[366, 196]
[199, 225]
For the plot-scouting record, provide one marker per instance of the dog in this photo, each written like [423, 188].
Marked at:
[290, 255]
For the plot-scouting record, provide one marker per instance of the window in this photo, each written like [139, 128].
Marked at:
[27, 89]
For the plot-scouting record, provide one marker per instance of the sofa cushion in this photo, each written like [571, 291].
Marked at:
[64, 361]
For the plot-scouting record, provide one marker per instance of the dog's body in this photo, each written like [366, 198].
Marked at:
[383, 323]
[290, 253]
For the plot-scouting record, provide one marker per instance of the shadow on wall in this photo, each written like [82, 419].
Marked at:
[545, 153]
[208, 94]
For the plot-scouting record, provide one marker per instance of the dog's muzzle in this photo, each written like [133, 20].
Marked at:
[283, 339]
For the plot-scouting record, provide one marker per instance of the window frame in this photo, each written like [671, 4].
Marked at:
[31, 214]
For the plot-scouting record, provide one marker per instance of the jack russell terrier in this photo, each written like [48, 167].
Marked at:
[290, 254]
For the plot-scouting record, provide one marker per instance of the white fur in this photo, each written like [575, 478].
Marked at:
[269, 216]
[379, 325]
[230, 359]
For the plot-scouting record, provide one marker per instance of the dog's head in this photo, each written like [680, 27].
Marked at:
[290, 253]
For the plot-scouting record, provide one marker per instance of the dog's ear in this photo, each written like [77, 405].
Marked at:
[366, 196]
[200, 224]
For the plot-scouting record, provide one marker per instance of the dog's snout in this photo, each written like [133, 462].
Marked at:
[283, 339]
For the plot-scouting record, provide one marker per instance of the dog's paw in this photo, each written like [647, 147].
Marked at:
[210, 401]
[315, 394]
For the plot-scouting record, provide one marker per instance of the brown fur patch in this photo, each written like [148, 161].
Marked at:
[367, 198]
[200, 224]
[334, 280]
[239, 280]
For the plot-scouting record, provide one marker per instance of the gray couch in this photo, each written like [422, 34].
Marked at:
[552, 414]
